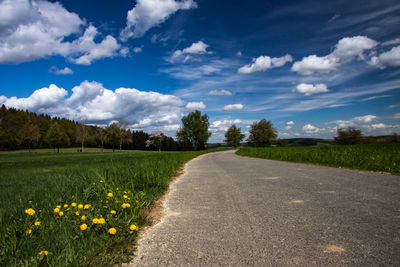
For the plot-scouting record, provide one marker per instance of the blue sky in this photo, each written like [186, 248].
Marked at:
[308, 66]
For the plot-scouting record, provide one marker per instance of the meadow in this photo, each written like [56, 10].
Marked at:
[372, 157]
[78, 209]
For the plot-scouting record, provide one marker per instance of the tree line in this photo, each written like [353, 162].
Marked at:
[21, 129]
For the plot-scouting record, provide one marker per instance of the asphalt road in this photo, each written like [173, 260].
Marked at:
[228, 210]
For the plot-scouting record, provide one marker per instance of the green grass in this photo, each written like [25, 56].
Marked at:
[377, 157]
[43, 181]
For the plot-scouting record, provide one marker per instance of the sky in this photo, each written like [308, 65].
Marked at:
[310, 67]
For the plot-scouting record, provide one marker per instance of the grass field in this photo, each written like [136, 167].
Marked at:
[381, 157]
[42, 222]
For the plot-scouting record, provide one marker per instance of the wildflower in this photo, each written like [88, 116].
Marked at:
[132, 227]
[43, 252]
[61, 213]
[37, 223]
[28, 232]
[30, 202]
[113, 212]
[87, 206]
[77, 213]
[80, 206]
[110, 195]
[125, 196]
[65, 205]
[73, 204]
[112, 231]
[56, 210]
[83, 227]
[117, 188]
[105, 207]
[83, 218]
[30, 211]
[95, 221]
[101, 221]
[126, 205]
[58, 206]
[101, 181]
[72, 196]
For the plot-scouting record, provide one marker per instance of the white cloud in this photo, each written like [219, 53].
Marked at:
[149, 13]
[356, 121]
[309, 89]
[220, 92]
[30, 30]
[290, 123]
[390, 58]
[93, 103]
[239, 54]
[64, 71]
[221, 126]
[195, 105]
[137, 49]
[233, 107]
[263, 63]
[288, 127]
[391, 42]
[193, 49]
[346, 50]
[310, 129]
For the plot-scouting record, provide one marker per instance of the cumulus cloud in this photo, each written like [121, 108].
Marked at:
[149, 13]
[233, 107]
[195, 105]
[221, 126]
[57, 71]
[310, 129]
[195, 48]
[309, 89]
[93, 103]
[390, 58]
[356, 121]
[137, 49]
[220, 92]
[290, 123]
[346, 50]
[30, 30]
[263, 63]
[391, 42]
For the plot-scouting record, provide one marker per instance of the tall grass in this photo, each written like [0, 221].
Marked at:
[116, 187]
[377, 157]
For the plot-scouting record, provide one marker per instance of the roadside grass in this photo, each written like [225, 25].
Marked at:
[41, 221]
[374, 157]
[62, 150]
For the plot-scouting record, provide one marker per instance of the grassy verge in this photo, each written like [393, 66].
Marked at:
[385, 158]
[78, 209]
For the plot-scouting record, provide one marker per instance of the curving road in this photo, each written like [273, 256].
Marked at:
[228, 210]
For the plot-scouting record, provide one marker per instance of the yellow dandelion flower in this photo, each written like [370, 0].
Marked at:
[77, 213]
[132, 227]
[125, 196]
[58, 206]
[101, 181]
[105, 207]
[30, 202]
[30, 211]
[87, 206]
[37, 223]
[43, 252]
[117, 188]
[73, 204]
[83, 227]
[83, 218]
[113, 212]
[102, 221]
[112, 231]
[95, 221]
[28, 232]
[80, 206]
[61, 213]
[56, 210]
[110, 195]
[65, 205]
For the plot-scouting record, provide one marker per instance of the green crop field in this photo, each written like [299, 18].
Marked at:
[78, 209]
[377, 157]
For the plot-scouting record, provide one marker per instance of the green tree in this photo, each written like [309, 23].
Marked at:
[194, 131]
[349, 136]
[55, 136]
[101, 136]
[233, 136]
[81, 134]
[30, 135]
[262, 133]
[113, 134]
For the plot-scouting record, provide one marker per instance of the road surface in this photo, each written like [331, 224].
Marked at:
[228, 210]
